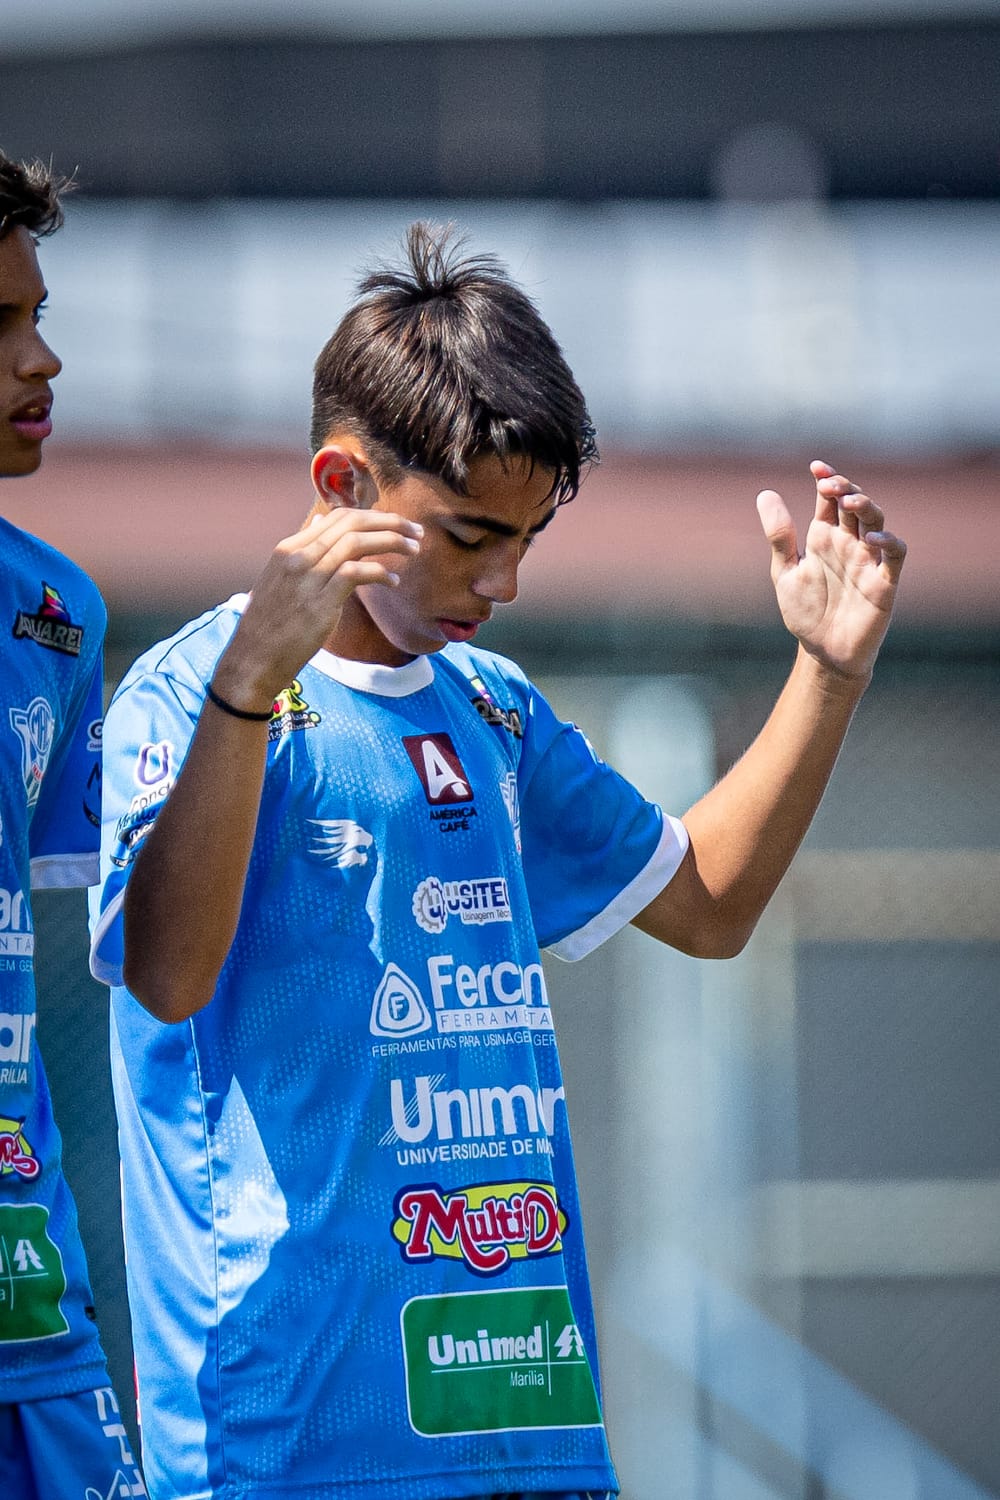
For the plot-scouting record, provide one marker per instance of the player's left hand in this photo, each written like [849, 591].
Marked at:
[837, 596]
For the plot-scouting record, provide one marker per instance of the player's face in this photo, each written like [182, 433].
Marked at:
[27, 364]
[468, 561]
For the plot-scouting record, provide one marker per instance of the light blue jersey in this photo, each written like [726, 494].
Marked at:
[354, 1248]
[53, 623]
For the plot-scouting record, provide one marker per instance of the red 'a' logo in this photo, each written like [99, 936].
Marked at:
[441, 773]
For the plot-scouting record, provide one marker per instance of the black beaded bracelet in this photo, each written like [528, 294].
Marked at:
[230, 708]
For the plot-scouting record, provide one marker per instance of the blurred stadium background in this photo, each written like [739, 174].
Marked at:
[764, 231]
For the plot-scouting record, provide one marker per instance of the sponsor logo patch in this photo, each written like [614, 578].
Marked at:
[339, 842]
[474, 902]
[50, 625]
[291, 712]
[508, 791]
[16, 1034]
[486, 1225]
[498, 1361]
[436, 1124]
[444, 779]
[16, 936]
[35, 728]
[154, 764]
[32, 1279]
[488, 709]
[16, 1155]
[495, 997]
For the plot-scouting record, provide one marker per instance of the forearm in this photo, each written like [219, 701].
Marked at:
[183, 899]
[745, 831]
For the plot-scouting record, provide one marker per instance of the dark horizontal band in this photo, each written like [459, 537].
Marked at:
[230, 708]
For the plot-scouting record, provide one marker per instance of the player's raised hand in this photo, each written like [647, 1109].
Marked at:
[296, 602]
[837, 595]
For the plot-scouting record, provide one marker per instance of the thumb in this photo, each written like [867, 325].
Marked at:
[779, 528]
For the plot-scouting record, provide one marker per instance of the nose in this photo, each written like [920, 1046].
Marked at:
[497, 580]
[37, 359]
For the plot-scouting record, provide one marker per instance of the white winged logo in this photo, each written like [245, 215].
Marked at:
[340, 842]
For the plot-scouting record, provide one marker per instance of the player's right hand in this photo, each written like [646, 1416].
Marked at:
[296, 603]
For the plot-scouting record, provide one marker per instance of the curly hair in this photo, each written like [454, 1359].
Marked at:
[30, 195]
[443, 360]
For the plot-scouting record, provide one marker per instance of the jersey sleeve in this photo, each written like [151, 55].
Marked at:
[65, 830]
[147, 731]
[595, 851]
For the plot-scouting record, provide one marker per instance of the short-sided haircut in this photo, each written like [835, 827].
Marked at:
[444, 360]
[29, 197]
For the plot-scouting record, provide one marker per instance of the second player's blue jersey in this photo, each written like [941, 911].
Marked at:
[52, 619]
[354, 1242]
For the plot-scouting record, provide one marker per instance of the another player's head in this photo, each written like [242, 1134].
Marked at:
[29, 208]
[443, 396]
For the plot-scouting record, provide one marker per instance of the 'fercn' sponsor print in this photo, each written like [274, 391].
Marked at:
[486, 1225]
[502, 997]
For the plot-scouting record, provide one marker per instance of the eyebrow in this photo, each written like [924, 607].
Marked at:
[501, 528]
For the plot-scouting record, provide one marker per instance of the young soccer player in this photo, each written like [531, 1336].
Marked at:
[61, 1437]
[337, 835]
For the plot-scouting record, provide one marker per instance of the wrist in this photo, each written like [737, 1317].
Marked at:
[234, 710]
[238, 678]
[834, 682]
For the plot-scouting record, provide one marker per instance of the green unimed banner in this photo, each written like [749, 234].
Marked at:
[32, 1280]
[496, 1362]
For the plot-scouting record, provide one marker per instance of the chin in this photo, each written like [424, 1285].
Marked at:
[17, 465]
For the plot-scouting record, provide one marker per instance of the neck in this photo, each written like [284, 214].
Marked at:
[356, 637]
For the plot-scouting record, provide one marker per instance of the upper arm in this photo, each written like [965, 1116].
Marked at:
[685, 915]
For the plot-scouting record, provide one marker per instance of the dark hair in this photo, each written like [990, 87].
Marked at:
[29, 197]
[446, 360]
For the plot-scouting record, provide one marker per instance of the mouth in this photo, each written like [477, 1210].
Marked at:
[460, 630]
[33, 421]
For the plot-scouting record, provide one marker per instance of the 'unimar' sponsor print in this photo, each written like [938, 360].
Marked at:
[497, 1361]
[433, 1124]
[486, 1225]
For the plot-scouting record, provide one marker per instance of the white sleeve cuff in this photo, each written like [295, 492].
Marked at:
[658, 871]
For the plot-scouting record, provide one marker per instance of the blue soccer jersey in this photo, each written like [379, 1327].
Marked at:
[53, 620]
[354, 1246]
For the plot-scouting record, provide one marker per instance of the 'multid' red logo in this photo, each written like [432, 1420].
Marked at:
[486, 1225]
[441, 773]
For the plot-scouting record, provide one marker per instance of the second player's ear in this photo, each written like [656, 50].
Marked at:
[341, 476]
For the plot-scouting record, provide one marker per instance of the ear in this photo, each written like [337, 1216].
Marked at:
[341, 476]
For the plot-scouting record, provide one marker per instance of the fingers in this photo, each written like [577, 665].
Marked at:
[842, 503]
[779, 528]
[347, 532]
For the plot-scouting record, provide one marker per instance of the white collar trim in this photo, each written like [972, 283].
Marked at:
[363, 676]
